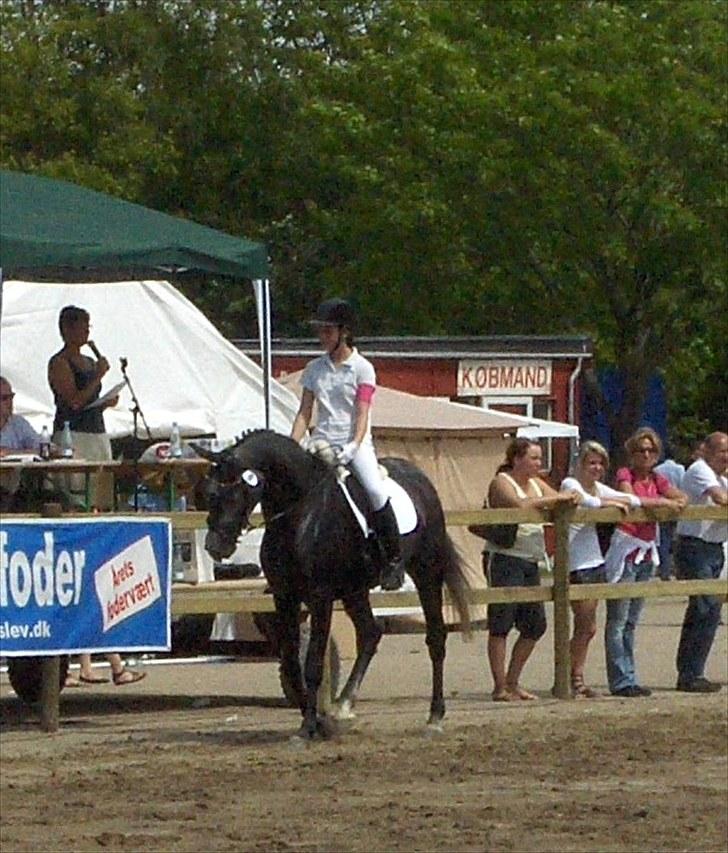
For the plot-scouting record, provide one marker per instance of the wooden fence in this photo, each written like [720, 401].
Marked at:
[232, 596]
[247, 595]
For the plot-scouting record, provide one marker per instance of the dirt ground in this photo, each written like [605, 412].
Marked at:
[200, 757]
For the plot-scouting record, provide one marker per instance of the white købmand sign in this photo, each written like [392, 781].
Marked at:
[128, 583]
[504, 377]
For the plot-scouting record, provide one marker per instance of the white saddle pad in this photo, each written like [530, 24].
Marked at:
[402, 505]
[404, 509]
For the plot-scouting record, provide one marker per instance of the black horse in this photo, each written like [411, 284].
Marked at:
[315, 552]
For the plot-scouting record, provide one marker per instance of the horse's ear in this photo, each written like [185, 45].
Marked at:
[204, 452]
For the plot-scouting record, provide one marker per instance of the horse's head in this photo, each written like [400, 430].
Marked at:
[231, 491]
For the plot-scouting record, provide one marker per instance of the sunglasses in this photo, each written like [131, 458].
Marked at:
[7, 396]
[648, 450]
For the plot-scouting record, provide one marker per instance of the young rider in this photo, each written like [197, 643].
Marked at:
[342, 383]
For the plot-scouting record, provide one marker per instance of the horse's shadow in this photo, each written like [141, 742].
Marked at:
[93, 709]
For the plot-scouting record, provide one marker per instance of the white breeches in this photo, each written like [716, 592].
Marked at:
[366, 468]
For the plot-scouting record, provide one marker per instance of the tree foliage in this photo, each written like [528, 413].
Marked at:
[495, 166]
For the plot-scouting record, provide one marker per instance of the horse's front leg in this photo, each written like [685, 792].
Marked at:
[431, 599]
[321, 609]
[368, 634]
[288, 610]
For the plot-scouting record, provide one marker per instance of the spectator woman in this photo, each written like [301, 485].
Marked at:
[518, 484]
[75, 380]
[586, 562]
[632, 557]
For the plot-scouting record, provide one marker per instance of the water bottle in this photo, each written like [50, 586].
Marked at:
[67, 441]
[175, 442]
[45, 443]
[178, 565]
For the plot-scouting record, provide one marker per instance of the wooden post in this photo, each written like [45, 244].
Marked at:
[50, 691]
[562, 626]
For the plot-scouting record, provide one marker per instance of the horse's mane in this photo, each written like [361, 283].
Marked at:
[246, 434]
[282, 452]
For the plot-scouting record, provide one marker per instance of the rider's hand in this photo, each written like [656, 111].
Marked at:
[347, 453]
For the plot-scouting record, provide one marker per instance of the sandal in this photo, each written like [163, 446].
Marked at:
[72, 681]
[93, 679]
[579, 690]
[127, 676]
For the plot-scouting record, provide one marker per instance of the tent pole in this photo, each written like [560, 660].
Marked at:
[262, 297]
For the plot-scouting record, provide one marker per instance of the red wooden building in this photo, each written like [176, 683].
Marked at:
[536, 376]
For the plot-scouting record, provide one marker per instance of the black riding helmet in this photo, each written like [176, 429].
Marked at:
[334, 312]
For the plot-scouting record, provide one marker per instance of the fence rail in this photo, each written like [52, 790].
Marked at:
[249, 596]
[235, 595]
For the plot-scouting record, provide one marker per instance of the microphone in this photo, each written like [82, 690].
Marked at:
[124, 363]
[94, 349]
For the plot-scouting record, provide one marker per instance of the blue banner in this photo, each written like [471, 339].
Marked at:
[97, 585]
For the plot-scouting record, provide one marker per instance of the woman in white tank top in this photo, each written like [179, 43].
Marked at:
[518, 484]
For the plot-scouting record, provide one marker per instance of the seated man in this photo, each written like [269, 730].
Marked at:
[18, 436]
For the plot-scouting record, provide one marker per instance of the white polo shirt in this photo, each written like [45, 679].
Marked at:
[697, 480]
[334, 387]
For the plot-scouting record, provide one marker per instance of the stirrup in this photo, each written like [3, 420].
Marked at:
[392, 575]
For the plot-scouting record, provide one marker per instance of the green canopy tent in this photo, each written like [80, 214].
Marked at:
[51, 229]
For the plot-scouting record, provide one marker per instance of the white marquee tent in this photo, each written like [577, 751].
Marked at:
[181, 368]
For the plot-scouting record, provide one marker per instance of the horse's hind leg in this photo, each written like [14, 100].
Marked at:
[320, 628]
[368, 634]
[431, 599]
[288, 609]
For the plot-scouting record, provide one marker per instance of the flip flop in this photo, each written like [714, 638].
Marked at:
[519, 693]
[72, 681]
[93, 679]
[127, 676]
[502, 696]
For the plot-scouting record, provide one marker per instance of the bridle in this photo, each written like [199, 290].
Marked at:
[229, 487]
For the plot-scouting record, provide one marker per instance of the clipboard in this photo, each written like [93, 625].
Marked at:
[110, 394]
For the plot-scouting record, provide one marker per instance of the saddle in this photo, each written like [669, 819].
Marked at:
[401, 502]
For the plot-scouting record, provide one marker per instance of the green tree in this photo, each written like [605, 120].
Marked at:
[495, 166]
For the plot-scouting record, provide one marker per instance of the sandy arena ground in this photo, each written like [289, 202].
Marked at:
[199, 757]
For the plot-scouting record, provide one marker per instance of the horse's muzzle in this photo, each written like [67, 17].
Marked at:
[219, 546]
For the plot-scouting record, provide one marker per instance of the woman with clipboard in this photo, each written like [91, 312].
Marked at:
[75, 380]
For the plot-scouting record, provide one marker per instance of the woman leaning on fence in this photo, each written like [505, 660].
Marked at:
[632, 556]
[514, 562]
[586, 562]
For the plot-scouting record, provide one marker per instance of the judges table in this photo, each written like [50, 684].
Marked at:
[170, 473]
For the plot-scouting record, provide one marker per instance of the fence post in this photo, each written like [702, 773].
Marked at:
[562, 657]
[50, 689]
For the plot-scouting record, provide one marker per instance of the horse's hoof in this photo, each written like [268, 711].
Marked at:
[434, 728]
[325, 728]
[343, 711]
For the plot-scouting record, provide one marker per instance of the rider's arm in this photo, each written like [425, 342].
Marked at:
[361, 418]
[303, 417]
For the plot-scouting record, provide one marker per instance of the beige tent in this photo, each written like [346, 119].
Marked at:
[458, 447]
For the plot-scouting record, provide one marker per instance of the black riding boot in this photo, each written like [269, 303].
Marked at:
[385, 526]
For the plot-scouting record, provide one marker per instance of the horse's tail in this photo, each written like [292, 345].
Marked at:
[455, 582]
